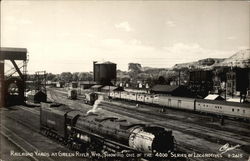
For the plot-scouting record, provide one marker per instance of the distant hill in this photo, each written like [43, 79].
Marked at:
[239, 59]
[200, 64]
[134, 67]
[138, 72]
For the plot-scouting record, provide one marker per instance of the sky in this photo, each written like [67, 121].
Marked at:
[67, 36]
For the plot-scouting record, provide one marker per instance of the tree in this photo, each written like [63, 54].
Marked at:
[66, 77]
[85, 76]
[50, 76]
[75, 76]
[161, 80]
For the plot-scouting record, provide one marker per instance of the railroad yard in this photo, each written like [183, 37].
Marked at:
[198, 137]
[124, 81]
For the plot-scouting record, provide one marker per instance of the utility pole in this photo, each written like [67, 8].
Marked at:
[179, 77]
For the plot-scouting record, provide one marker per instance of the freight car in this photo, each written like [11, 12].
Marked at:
[72, 94]
[93, 132]
[220, 108]
[90, 98]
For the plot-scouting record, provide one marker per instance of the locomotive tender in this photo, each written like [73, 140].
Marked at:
[221, 108]
[97, 133]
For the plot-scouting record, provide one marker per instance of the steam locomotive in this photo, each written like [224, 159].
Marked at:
[92, 132]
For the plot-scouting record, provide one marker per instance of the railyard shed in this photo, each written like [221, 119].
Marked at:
[96, 88]
[86, 84]
[181, 91]
[111, 88]
[214, 97]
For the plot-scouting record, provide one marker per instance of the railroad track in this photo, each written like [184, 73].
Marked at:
[155, 119]
[179, 114]
[174, 114]
[18, 146]
[190, 128]
[21, 142]
[35, 130]
[60, 97]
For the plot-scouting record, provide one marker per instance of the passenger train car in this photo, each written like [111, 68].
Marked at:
[232, 109]
[221, 108]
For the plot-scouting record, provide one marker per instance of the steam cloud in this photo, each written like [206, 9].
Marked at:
[95, 106]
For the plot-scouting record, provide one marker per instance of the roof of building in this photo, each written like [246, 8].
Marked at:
[104, 62]
[164, 88]
[110, 88]
[235, 104]
[87, 82]
[96, 86]
[213, 97]
[13, 53]
[235, 99]
[135, 90]
[10, 49]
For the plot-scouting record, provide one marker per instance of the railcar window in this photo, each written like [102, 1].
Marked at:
[238, 110]
[244, 111]
[233, 110]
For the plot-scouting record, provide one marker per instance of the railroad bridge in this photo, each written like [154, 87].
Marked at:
[12, 87]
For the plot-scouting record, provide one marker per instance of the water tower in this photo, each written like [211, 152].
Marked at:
[104, 72]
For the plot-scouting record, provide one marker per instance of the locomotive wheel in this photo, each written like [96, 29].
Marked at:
[69, 145]
[46, 133]
[42, 131]
[83, 148]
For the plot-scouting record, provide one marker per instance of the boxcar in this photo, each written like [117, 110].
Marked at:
[132, 96]
[140, 97]
[112, 94]
[149, 98]
[124, 95]
[117, 94]
[176, 102]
